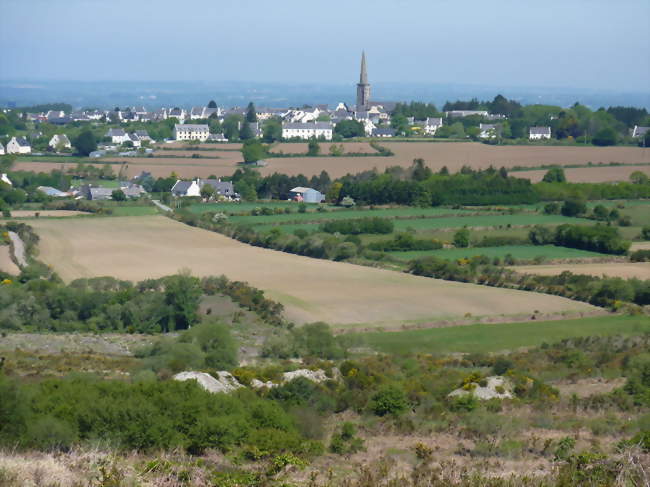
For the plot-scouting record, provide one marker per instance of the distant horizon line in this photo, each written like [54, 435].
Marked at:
[480, 86]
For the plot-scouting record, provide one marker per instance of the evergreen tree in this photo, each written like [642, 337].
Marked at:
[251, 115]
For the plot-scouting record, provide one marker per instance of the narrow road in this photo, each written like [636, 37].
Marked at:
[19, 249]
[161, 206]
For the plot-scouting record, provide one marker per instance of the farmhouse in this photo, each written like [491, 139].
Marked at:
[50, 191]
[536, 133]
[117, 136]
[307, 130]
[217, 138]
[639, 131]
[383, 132]
[191, 132]
[221, 188]
[60, 141]
[489, 130]
[432, 124]
[308, 195]
[18, 145]
[186, 188]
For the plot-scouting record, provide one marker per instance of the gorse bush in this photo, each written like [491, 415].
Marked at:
[358, 225]
[143, 416]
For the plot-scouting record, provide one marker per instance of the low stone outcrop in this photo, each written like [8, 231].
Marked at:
[224, 382]
[497, 387]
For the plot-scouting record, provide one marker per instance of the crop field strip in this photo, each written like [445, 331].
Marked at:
[526, 252]
[625, 270]
[427, 224]
[342, 294]
[453, 155]
[496, 337]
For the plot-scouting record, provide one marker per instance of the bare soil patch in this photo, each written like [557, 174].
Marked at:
[136, 248]
[640, 246]
[6, 264]
[587, 174]
[588, 387]
[301, 148]
[626, 270]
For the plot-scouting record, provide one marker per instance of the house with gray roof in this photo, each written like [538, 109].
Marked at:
[221, 188]
[50, 191]
[18, 145]
[307, 130]
[118, 136]
[186, 188]
[383, 132]
[639, 131]
[537, 133]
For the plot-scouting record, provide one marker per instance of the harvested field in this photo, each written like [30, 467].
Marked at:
[46, 213]
[301, 148]
[640, 246]
[136, 248]
[6, 264]
[451, 154]
[626, 270]
[587, 174]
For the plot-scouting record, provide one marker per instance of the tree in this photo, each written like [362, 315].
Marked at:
[604, 137]
[461, 238]
[334, 192]
[272, 130]
[85, 143]
[207, 191]
[118, 195]
[336, 150]
[253, 150]
[349, 128]
[182, 296]
[246, 133]
[554, 175]
[574, 207]
[400, 124]
[389, 400]
[313, 147]
[638, 177]
[420, 171]
[212, 104]
[251, 115]
[231, 127]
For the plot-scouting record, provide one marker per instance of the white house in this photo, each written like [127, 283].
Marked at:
[639, 131]
[18, 145]
[217, 138]
[60, 140]
[191, 132]
[186, 188]
[144, 136]
[488, 130]
[134, 139]
[2, 149]
[118, 136]
[5, 179]
[536, 133]
[432, 125]
[307, 130]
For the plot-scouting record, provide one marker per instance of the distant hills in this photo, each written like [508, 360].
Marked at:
[108, 94]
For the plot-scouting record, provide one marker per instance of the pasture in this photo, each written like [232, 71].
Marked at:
[454, 155]
[497, 337]
[426, 225]
[342, 294]
[626, 270]
[524, 252]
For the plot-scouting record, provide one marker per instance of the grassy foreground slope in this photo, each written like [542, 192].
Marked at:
[137, 248]
[503, 336]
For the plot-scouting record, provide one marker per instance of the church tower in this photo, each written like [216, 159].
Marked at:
[363, 88]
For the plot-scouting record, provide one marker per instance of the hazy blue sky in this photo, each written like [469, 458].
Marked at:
[596, 44]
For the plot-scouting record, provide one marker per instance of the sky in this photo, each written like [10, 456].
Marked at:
[587, 44]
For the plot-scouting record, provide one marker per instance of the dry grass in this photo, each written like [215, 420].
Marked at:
[639, 246]
[587, 174]
[617, 269]
[136, 248]
[6, 264]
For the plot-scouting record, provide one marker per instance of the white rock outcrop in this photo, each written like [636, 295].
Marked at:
[225, 381]
[313, 375]
[489, 391]
[258, 384]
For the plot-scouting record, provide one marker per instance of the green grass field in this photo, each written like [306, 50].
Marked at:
[244, 207]
[525, 252]
[502, 336]
[426, 225]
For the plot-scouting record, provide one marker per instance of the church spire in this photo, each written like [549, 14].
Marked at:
[363, 79]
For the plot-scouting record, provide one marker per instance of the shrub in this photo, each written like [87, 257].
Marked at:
[359, 225]
[574, 207]
[389, 400]
[640, 256]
